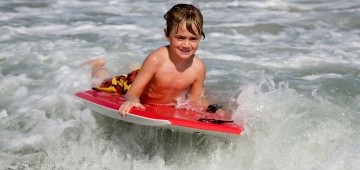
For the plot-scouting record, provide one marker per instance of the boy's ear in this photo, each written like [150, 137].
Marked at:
[166, 33]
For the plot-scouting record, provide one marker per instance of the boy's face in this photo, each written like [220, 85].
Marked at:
[183, 43]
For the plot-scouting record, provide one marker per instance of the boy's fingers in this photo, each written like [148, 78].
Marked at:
[126, 107]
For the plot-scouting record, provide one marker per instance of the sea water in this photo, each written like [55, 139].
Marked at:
[288, 70]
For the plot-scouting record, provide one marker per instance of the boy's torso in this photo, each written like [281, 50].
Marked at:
[169, 82]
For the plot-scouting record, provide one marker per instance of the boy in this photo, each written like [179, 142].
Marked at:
[168, 71]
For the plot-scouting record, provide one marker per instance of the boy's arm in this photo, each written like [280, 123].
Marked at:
[196, 91]
[146, 72]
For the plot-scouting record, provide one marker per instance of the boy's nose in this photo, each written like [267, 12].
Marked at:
[186, 44]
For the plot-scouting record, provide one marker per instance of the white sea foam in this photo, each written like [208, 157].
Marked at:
[292, 124]
[319, 76]
[3, 113]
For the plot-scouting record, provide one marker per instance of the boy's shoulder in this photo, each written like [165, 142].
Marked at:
[199, 63]
[159, 52]
[159, 55]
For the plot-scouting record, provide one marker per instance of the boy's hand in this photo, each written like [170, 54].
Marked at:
[223, 112]
[127, 106]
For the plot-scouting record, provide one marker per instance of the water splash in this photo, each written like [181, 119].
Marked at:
[285, 126]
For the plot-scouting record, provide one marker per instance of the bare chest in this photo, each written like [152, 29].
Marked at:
[173, 80]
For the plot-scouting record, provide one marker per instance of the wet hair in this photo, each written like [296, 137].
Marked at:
[184, 13]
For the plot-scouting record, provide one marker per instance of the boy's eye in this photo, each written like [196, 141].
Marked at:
[180, 38]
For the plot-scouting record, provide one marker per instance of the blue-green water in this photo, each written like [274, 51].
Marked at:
[289, 70]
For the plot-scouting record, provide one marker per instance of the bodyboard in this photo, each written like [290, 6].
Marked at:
[192, 121]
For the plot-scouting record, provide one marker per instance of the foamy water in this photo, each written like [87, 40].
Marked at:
[289, 71]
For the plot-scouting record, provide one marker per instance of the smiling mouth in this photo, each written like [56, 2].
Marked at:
[185, 50]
